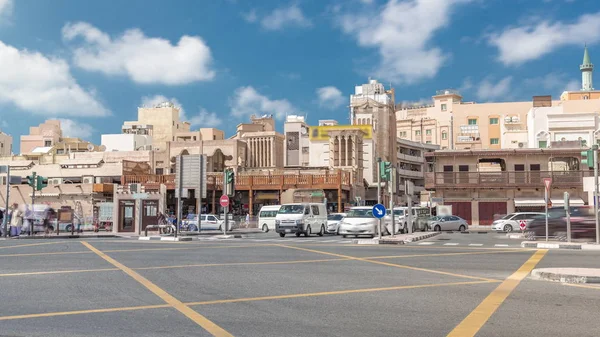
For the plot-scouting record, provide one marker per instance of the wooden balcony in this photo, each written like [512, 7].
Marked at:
[244, 182]
[103, 188]
[505, 179]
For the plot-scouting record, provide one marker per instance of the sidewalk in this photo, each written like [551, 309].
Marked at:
[560, 245]
[398, 239]
[567, 275]
[64, 236]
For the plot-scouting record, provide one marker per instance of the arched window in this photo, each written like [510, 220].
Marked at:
[444, 135]
[368, 121]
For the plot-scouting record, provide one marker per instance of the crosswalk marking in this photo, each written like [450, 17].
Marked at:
[451, 244]
[426, 243]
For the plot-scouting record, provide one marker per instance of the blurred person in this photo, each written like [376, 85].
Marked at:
[49, 216]
[16, 220]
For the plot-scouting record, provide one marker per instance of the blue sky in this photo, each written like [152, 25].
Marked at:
[92, 63]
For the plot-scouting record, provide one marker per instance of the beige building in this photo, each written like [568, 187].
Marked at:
[6, 142]
[44, 135]
[265, 145]
[481, 185]
[297, 143]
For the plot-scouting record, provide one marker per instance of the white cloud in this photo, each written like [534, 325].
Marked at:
[146, 60]
[280, 18]
[151, 101]
[487, 90]
[517, 45]
[72, 128]
[206, 119]
[330, 97]
[247, 101]
[573, 85]
[402, 32]
[41, 85]
[6, 7]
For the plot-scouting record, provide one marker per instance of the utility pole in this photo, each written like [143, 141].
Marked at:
[379, 190]
[34, 187]
[595, 148]
[392, 187]
[179, 195]
[408, 192]
[225, 208]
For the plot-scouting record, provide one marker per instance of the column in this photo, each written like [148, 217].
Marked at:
[348, 160]
[340, 150]
[262, 152]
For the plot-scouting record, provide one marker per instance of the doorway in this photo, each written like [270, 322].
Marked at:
[149, 213]
[126, 215]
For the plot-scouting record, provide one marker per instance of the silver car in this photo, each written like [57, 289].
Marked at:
[333, 223]
[447, 223]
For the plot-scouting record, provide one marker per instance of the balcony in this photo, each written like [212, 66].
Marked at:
[410, 173]
[251, 182]
[468, 138]
[409, 158]
[505, 179]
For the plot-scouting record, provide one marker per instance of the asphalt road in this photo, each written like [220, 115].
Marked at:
[316, 287]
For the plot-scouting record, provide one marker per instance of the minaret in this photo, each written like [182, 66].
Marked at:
[587, 69]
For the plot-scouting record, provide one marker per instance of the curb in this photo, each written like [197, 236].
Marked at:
[515, 236]
[390, 241]
[164, 238]
[76, 236]
[566, 275]
[556, 245]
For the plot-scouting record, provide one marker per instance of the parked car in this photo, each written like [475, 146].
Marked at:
[583, 224]
[512, 221]
[447, 223]
[207, 222]
[360, 221]
[266, 217]
[333, 223]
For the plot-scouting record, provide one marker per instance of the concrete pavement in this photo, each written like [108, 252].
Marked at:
[119, 287]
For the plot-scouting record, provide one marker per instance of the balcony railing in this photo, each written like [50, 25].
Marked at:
[407, 157]
[254, 182]
[505, 179]
[410, 173]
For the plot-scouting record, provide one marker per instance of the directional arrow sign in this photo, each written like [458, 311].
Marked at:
[379, 211]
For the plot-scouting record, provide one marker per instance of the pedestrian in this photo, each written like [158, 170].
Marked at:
[16, 220]
[247, 220]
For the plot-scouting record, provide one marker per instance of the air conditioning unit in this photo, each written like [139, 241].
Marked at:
[135, 188]
[3, 180]
[148, 147]
[87, 180]
[55, 181]
[522, 145]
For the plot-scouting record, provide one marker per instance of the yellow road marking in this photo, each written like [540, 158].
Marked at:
[478, 317]
[391, 264]
[400, 247]
[202, 321]
[249, 299]
[337, 292]
[81, 312]
[582, 286]
[238, 264]
[32, 244]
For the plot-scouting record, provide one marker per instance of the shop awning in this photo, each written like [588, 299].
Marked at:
[573, 202]
[529, 202]
[267, 196]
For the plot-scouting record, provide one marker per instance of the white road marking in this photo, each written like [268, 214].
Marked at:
[500, 245]
[426, 243]
[476, 244]
[451, 244]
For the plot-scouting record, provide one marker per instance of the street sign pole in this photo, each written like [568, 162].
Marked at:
[547, 184]
[180, 195]
[5, 219]
[200, 193]
[379, 212]
[595, 148]
[379, 189]
[33, 203]
[225, 208]
[408, 191]
[392, 182]
[568, 211]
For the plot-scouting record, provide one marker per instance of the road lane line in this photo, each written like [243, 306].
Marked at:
[391, 264]
[443, 254]
[582, 286]
[475, 244]
[500, 245]
[81, 312]
[145, 307]
[240, 264]
[451, 244]
[58, 272]
[471, 325]
[202, 321]
[426, 243]
[33, 244]
[338, 292]
[44, 254]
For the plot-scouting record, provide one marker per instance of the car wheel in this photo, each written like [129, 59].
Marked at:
[462, 228]
[508, 228]
[298, 234]
[68, 228]
[344, 236]
[337, 232]
[308, 232]
[282, 234]
[322, 231]
[265, 228]
[437, 228]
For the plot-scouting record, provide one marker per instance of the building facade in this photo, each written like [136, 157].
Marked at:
[6, 143]
[44, 135]
[297, 143]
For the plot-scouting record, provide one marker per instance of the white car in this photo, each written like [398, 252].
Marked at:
[447, 223]
[512, 221]
[333, 222]
[360, 221]
[207, 222]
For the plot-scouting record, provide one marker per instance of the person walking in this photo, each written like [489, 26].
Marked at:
[16, 220]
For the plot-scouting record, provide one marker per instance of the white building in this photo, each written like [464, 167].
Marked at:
[297, 142]
[134, 137]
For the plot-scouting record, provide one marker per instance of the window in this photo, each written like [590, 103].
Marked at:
[194, 137]
[417, 133]
[542, 144]
[494, 121]
[444, 135]
[428, 142]
[472, 121]
[48, 143]
[463, 168]
[494, 141]
[444, 107]
[428, 132]
[315, 209]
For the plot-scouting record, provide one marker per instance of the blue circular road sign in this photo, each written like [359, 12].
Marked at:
[379, 211]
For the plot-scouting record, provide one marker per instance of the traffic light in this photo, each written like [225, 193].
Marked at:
[31, 180]
[587, 158]
[41, 183]
[229, 182]
[385, 170]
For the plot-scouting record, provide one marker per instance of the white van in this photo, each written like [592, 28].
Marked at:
[301, 218]
[266, 217]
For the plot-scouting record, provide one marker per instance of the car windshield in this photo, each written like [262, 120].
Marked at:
[398, 212]
[335, 217]
[291, 209]
[360, 213]
[508, 216]
[435, 218]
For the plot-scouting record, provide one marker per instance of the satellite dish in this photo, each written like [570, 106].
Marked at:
[102, 148]
[90, 147]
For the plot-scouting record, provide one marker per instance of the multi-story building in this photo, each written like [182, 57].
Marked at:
[483, 184]
[44, 135]
[411, 166]
[265, 145]
[6, 142]
[297, 144]
[132, 138]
